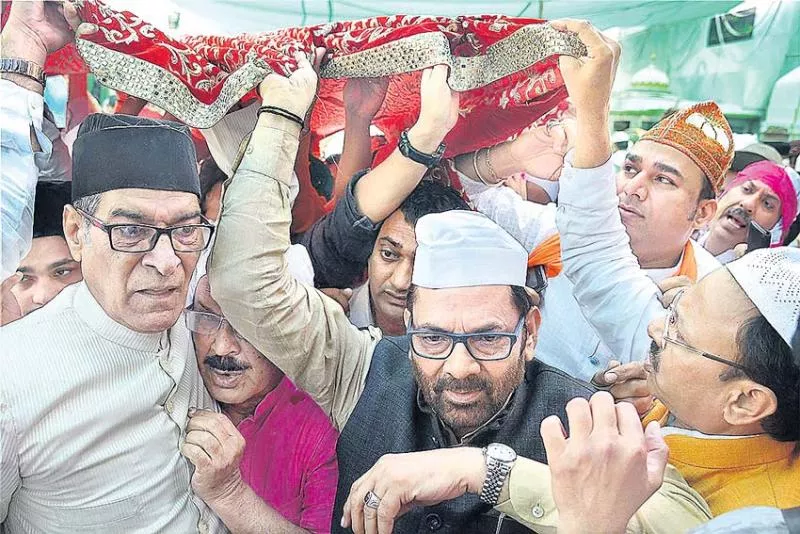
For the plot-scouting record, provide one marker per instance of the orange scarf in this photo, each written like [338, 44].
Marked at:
[688, 266]
[548, 254]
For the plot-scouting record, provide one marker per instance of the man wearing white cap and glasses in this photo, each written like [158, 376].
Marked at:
[728, 384]
[464, 375]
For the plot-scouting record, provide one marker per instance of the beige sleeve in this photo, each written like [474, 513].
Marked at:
[305, 333]
[528, 499]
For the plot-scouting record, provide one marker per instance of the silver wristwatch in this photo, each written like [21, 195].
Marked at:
[23, 67]
[499, 461]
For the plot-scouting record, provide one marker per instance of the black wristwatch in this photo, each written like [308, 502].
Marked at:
[429, 160]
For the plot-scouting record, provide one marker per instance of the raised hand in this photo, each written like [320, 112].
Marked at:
[297, 92]
[44, 25]
[363, 97]
[606, 468]
[438, 110]
[589, 79]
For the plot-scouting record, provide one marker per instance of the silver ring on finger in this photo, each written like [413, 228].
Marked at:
[371, 500]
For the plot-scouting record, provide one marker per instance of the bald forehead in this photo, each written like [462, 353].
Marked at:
[716, 305]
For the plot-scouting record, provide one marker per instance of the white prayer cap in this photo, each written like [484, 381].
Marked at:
[771, 279]
[461, 248]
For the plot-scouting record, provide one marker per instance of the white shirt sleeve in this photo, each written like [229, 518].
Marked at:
[615, 295]
[9, 452]
[527, 222]
[20, 110]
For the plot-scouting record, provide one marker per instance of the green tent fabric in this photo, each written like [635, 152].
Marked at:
[257, 16]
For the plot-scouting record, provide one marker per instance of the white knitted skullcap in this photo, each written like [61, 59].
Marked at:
[461, 248]
[771, 279]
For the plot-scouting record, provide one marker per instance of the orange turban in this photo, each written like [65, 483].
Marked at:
[703, 134]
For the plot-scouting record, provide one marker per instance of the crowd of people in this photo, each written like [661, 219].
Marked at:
[555, 345]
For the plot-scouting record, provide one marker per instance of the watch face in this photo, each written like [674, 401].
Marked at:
[500, 452]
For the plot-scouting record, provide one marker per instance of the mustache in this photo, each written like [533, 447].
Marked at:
[226, 363]
[740, 212]
[655, 354]
[471, 383]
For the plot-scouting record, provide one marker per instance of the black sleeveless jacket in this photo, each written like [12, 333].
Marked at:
[389, 418]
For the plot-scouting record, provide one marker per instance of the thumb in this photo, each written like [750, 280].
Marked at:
[347, 292]
[657, 455]
[605, 377]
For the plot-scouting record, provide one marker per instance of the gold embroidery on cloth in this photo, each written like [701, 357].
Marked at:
[525, 47]
[155, 84]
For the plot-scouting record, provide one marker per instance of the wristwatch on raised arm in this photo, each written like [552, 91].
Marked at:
[499, 461]
[23, 67]
[429, 160]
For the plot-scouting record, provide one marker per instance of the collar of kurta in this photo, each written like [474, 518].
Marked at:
[725, 452]
[271, 400]
[92, 313]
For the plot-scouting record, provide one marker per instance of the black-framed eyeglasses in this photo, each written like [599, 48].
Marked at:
[482, 346]
[206, 323]
[669, 320]
[138, 238]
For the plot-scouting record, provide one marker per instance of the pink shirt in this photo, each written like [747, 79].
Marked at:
[290, 457]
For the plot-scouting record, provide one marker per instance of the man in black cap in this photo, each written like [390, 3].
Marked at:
[48, 267]
[99, 445]
[97, 403]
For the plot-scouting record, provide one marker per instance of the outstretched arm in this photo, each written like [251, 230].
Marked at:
[340, 243]
[302, 331]
[615, 295]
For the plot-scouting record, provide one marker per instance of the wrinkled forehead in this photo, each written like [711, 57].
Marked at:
[149, 206]
[757, 186]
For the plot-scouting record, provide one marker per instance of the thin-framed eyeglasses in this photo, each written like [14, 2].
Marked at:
[137, 238]
[669, 320]
[482, 346]
[206, 323]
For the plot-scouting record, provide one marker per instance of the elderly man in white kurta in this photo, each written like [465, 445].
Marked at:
[98, 384]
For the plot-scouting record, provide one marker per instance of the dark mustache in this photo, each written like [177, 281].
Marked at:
[655, 354]
[471, 383]
[226, 363]
[741, 213]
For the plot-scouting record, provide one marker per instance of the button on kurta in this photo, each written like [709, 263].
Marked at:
[433, 521]
[537, 512]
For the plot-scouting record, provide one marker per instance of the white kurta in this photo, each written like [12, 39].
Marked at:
[92, 415]
[598, 309]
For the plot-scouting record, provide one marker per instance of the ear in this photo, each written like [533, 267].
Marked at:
[705, 213]
[532, 321]
[73, 231]
[749, 403]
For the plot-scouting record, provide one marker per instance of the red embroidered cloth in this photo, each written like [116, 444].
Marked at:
[504, 68]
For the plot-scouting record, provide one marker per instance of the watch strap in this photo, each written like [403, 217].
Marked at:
[496, 474]
[23, 67]
[429, 160]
